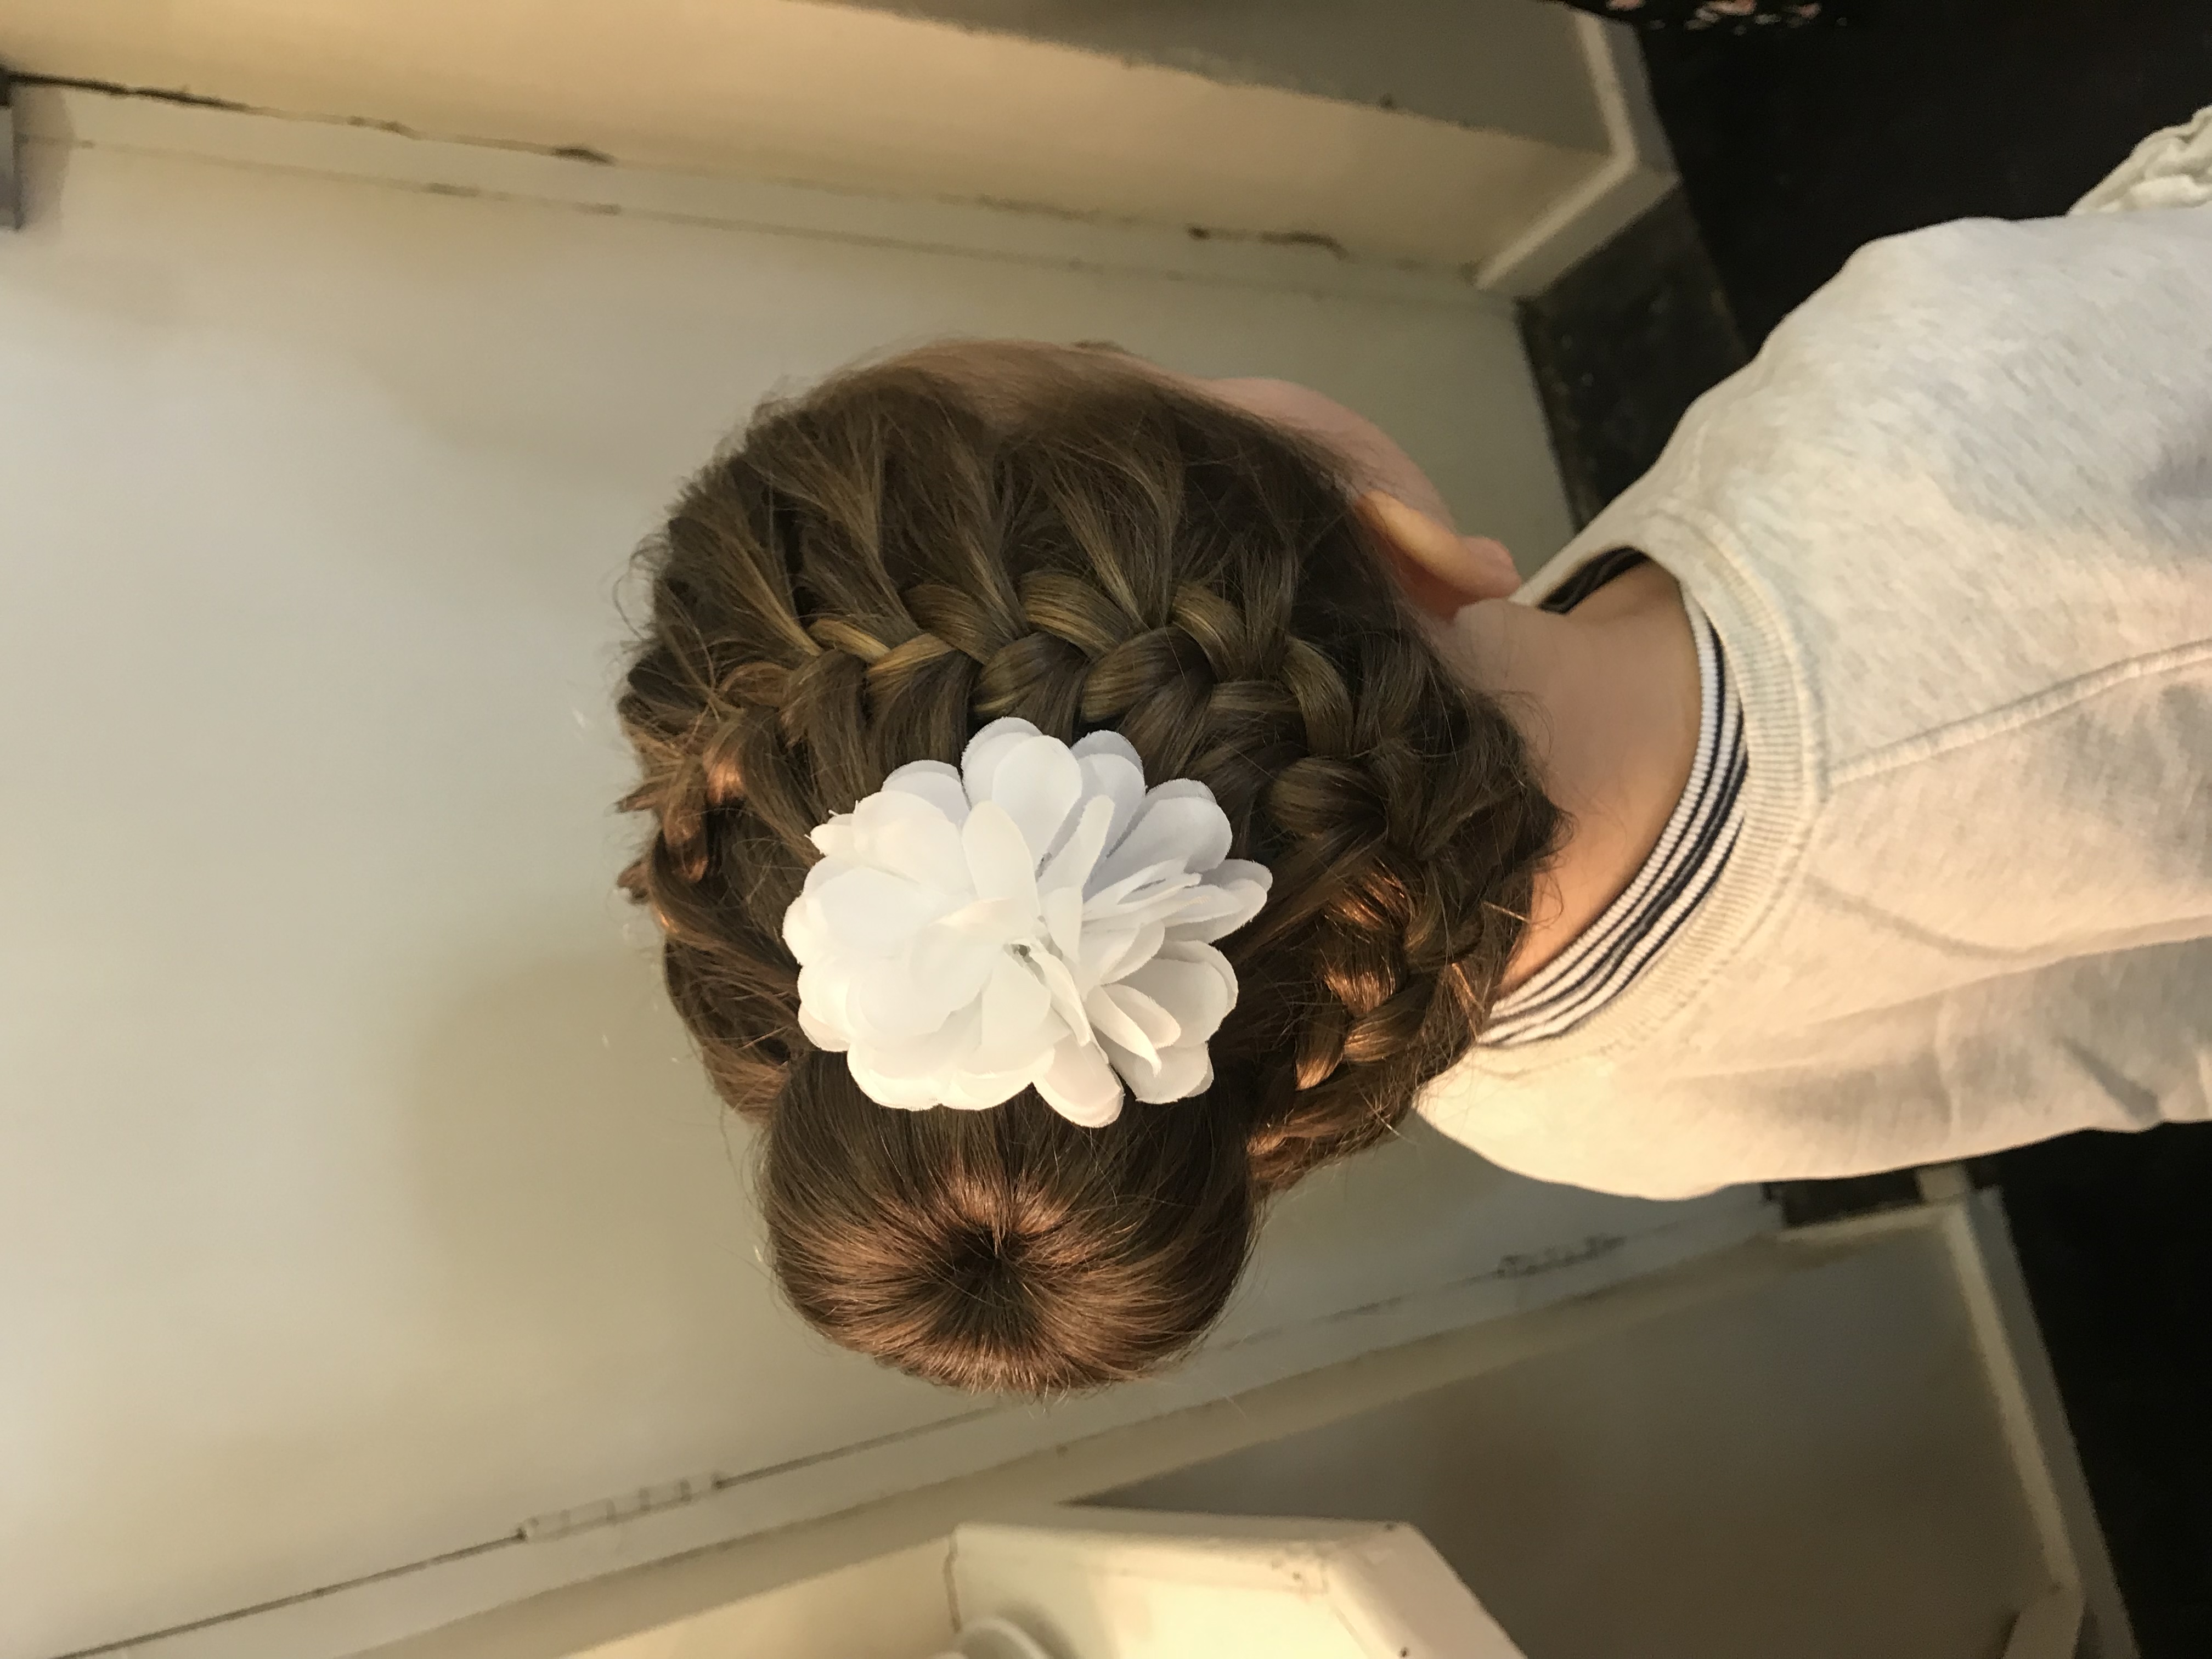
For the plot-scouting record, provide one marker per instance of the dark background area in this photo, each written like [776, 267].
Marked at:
[1795, 148]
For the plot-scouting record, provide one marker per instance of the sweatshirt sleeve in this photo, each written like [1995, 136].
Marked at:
[2171, 168]
[2119, 1043]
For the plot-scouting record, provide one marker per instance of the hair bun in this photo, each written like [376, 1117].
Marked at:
[1001, 1250]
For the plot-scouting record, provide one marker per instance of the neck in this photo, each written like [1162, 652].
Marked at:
[1607, 696]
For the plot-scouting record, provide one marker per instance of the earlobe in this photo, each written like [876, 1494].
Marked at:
[1441, 571]
[1493, 560]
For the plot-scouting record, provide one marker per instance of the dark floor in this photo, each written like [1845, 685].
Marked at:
[1795, 149]
[1621, 346]
[2115, 1235]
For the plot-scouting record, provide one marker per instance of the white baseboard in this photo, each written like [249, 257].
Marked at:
[1638, 171]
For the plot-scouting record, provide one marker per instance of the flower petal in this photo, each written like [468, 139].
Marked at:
[1080, 1085]
[944, 1050]
[999, 859]
[1017, 1028]
[1198, 993]
[955, 960]
[1071, 864]
[1175, 824]
[1247, 886]
[979, 760]
[912, 837]
[1063, 922]
[916, 1095]
[1194, 906]
[1139, 889]
[834, 839]
[885, 1004]
[1066, 999]
[1131, 1021]
[1180, 1072]
[973, 1091]
[873, 913]
[1038, 783]
[935, 783]
[1158, 1021]
[1103, 946]
[826, 1038]
[1139, 945]
[1104, 744]
[998, 921]
[1157, 906]
[821, 998]
[805, 935]
[1111, 769]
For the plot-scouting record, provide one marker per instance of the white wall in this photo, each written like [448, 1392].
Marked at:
[359, 1200]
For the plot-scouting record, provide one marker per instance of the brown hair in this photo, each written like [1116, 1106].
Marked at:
[880, 567]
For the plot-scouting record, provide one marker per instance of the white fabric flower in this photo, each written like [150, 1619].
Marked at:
[1034, 916]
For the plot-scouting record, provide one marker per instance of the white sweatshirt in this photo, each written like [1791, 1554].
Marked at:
[1954, 528]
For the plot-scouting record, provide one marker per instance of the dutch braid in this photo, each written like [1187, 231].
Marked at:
[913, 550]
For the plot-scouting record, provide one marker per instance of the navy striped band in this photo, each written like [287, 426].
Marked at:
[1609, 954]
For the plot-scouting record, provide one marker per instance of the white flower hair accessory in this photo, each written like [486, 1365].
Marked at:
[1033, 917]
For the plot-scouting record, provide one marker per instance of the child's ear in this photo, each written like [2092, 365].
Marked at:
[1440, 570]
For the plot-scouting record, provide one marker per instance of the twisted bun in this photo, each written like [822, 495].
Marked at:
[879, 568]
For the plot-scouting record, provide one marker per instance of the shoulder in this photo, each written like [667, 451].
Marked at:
[1954, 292]
[2115, 1041]
[1580, 1124]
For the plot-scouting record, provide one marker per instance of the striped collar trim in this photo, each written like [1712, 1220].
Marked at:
[1693, 850]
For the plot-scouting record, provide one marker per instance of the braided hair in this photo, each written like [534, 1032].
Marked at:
[872, 571]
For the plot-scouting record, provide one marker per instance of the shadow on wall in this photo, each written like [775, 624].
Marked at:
[1421, 1200]
[565, 1087]
[585, 1218]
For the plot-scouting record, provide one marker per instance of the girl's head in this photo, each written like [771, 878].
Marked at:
[878, 568]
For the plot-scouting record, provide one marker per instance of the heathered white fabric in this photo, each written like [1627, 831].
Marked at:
[1954, 528]
[2171, 168]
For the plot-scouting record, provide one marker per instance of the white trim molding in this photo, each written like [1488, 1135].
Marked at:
[1637, 173]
